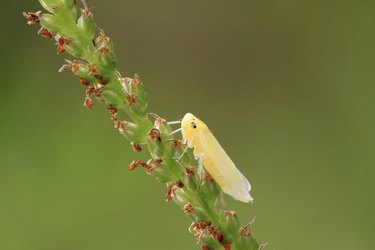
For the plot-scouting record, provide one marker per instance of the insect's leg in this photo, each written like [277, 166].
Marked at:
[184, 152]
[174, 122]
[176, 131]
[222, 200]
[200, 168]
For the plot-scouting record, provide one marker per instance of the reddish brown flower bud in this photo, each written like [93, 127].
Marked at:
[226, 245]
[101, 80]
[136, 147]
[45, 33]
[32, 18]
[179, 184]
[218, 235]
[169, 193]
[158, 160]
[88, 102]
[149, 167]
[204, 224]
[84, 82]
[132, 165]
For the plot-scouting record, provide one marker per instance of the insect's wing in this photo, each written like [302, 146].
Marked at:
[222, 169]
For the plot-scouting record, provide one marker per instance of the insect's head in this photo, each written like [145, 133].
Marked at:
[190, 125]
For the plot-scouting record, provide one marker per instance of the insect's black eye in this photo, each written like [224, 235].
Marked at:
[193, 125]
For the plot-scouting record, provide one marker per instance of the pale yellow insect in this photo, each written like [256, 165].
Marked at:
[215, 160]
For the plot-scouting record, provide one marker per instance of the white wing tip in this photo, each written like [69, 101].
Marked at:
[246, 197]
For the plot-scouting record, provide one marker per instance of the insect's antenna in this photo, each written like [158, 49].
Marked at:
[174, 122]
[176, 131]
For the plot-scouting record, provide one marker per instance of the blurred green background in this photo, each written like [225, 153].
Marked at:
[286, 86]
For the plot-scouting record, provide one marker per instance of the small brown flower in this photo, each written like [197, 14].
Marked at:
[111, 109]
[190, 171]
[177, 143]
[154, 134]
[188, 209]
[102, 38]
[90, 90]
[150, 168]
[193, 228]
[32, 17]
[74, 66]
[86, 12]
[61, 43]
[88, 102]
[158, 120]
[121, 126]
[93, 70]
[103, 51]
[131, 99]
[229, 213]
[98, 92]
[245, 230]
